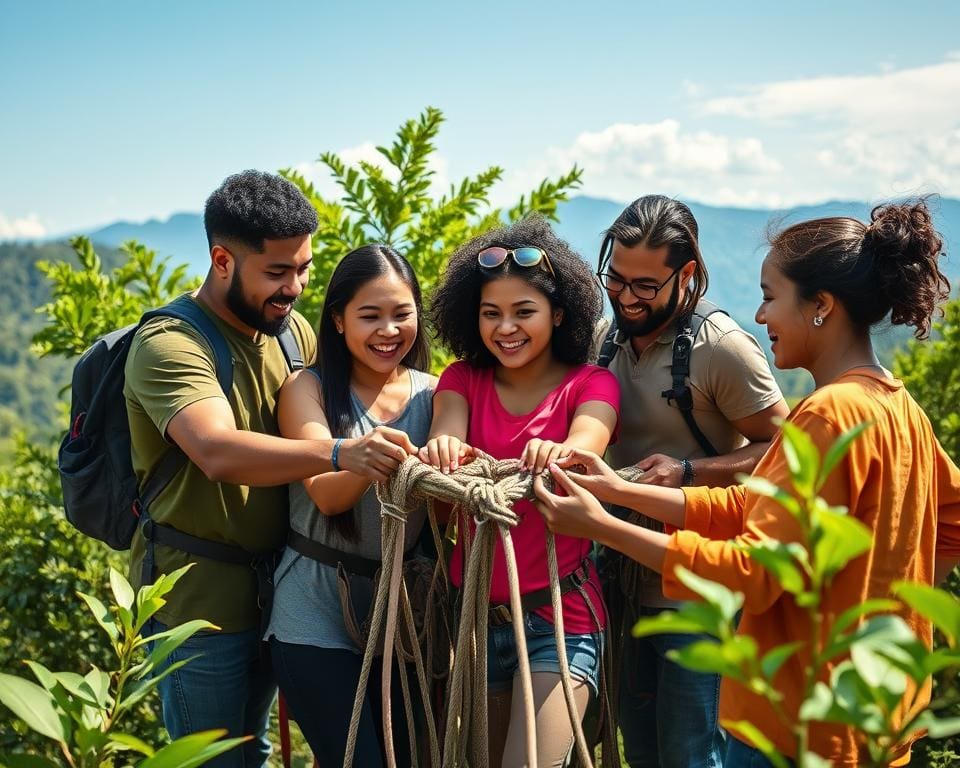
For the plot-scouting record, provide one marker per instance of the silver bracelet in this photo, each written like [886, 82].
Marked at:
[688, 475]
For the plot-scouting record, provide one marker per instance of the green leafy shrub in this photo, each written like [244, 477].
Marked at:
[878, 661]
[83, 714]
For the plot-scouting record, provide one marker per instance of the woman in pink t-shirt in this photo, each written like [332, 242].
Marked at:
[518, 307]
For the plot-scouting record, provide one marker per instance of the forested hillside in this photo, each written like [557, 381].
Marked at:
[28, 384]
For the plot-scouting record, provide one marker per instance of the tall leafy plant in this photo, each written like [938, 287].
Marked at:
[392, 201]
[878, 663]
[85, 714]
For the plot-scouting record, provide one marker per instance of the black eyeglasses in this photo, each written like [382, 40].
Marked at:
[639, 288]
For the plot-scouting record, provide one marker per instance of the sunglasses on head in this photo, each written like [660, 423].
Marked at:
[526, 256]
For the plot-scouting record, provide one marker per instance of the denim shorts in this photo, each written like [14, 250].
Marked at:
[584, 653]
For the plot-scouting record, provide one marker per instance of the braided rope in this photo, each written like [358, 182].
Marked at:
[485, 489]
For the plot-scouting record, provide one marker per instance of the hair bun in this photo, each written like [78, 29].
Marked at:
[904, 247]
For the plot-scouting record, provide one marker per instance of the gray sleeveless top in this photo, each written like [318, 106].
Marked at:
[306, 603]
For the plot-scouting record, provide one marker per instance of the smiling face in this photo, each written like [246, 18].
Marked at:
[516, 321]
[264, 286]
[788, 318]
[380, 323]
[641, 317]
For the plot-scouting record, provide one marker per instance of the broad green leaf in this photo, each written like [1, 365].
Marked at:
[778, 560]
[877, 670]
[937, 605]
[838, 450]
[941, 659]
[749, 733]
[126, 741]
[763, 487]
[193, 750]
[836, 644]
[122, 591]
[803, 458]
[940, 728]
[99, 682]
[731, 658]
[670, 622]
[169, 640]
[727, 601]
[102, 615]
[33, 705]
[145, 687]
[774, 659]
[842, 538]
[145, 611]
[163, 584]
[44, 676]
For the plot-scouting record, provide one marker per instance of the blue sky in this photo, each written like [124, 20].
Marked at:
[123, 110]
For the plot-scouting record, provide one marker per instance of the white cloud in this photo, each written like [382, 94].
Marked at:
[26, 228]
[923, 98]
[628, 159]
[891, 133]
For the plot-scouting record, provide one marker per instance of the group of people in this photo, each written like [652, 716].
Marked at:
[287, 461]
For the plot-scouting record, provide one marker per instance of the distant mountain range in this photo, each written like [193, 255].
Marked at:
[732, 240]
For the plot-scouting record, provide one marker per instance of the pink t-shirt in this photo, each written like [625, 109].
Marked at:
[504, 436]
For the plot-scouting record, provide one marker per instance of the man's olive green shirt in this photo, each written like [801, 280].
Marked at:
[169, 367]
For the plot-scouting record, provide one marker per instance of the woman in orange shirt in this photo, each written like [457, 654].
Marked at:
[825, 283]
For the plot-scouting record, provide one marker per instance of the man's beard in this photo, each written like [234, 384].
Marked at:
[254, 316]
[655, 317]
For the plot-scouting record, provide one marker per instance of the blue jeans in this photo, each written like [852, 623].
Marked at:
[740, 755]
[668, 714]
[583, 653]
[230, 685]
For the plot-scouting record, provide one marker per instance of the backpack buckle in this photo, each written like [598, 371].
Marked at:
[683, 397]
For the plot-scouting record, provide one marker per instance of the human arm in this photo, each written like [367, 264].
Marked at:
[301, 416]
[446, 447]
[590, 429]
[206, 432]
[759, 428]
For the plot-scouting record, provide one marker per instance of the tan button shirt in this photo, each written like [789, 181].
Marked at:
[730, 379]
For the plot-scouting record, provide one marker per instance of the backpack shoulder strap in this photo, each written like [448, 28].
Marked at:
[174, 460]
[291, 350]
[608, 350]
[186, 310]
[688, 328]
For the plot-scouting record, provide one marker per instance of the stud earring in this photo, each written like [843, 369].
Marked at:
[818, 321]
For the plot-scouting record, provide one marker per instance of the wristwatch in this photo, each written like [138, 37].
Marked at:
[688, 473]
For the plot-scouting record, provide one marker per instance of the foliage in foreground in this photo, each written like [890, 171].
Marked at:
[878, 663]
[84, 714]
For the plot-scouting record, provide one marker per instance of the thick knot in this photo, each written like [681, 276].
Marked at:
[486, 499]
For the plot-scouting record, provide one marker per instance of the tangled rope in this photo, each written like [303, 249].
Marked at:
[485, 489]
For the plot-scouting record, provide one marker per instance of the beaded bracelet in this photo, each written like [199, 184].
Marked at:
[336, 454]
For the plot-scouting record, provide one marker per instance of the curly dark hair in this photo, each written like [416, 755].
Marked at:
[253, 206]
[455, 305]
[887, 267]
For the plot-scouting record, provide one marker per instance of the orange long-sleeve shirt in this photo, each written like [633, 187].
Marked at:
[896, 479]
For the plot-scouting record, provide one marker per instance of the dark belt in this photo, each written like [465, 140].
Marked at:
[351, 563]
[500, 612]
[262, 563]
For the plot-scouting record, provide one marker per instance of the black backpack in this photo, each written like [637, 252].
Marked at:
[688, 326]
[100, 493]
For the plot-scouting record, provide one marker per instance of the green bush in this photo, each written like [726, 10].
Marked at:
[44, 563]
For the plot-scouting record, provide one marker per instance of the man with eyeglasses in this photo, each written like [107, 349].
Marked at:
[698, 403]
